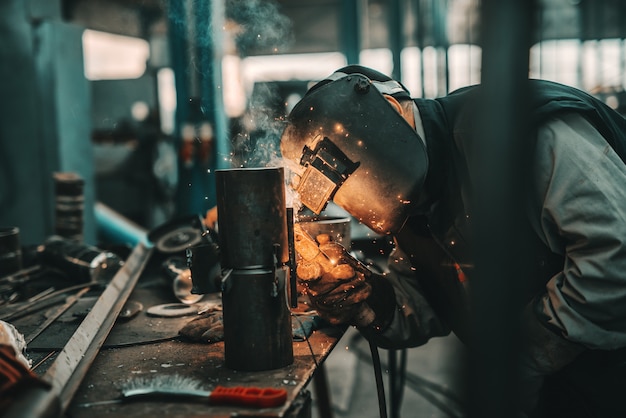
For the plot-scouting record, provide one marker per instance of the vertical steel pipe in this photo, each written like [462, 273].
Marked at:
[503, 131]
[253, 240]
[252, 217]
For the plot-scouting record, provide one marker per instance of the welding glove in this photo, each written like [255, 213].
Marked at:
[337, 285]
[545, 353]
[15, 373]
[338, 295]
[355, 300]
[207, 327]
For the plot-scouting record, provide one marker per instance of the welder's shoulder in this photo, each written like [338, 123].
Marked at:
[567, 144]
[570, 131]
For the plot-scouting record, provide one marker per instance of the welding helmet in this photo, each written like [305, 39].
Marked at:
[346, 143]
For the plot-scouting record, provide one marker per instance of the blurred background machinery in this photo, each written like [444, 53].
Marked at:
[144, 99]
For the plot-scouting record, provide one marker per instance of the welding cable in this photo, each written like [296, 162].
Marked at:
[380, 388]
[451, 405]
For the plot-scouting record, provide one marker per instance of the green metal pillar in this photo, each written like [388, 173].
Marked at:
[201, 125]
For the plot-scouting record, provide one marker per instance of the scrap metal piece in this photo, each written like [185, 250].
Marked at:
[130, 309]
[69, 302]
[41, 301]
[172, 310]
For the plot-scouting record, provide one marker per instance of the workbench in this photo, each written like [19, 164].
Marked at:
[144, 348]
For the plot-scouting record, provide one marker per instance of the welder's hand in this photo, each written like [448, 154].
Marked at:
[337, 295]
[210, 219]
[338, 286]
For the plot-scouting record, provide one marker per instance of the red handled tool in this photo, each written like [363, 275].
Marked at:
[165, 388]
[248, 396]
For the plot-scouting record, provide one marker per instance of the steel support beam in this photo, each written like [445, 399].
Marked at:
[503, 129]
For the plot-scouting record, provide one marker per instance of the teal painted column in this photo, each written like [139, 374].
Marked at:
[201, 126]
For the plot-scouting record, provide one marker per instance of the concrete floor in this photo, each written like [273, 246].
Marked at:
[433, 387]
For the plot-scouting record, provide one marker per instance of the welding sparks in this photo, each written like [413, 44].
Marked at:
[339, 128]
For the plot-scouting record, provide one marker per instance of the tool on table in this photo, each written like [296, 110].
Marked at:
[179, 387]
[178, 234]
[10, 281]
[64, 258]
[50, 297]
[221, 395]
[79, 261]
[72, 363]
[21, 276]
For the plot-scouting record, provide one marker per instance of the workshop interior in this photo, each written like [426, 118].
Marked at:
[149, 237]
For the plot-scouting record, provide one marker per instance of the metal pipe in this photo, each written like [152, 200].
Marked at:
[396, 36]
[113, 227]
[253, 241]
[350, 30]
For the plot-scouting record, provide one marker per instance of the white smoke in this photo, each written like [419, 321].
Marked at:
[261, 26]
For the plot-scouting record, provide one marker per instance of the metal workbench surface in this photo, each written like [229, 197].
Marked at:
[143, 348]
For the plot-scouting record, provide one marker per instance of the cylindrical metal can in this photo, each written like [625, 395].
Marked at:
[10, 250]
[252, 217]
[69, 205]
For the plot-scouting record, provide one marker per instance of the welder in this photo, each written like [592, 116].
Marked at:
[405, 166]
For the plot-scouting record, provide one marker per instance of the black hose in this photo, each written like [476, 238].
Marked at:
[397, 380]
[452, 405]
[380, 388]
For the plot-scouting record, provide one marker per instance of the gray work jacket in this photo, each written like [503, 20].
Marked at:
[577, 210]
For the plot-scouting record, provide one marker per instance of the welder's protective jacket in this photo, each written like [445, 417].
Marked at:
[577, 210]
